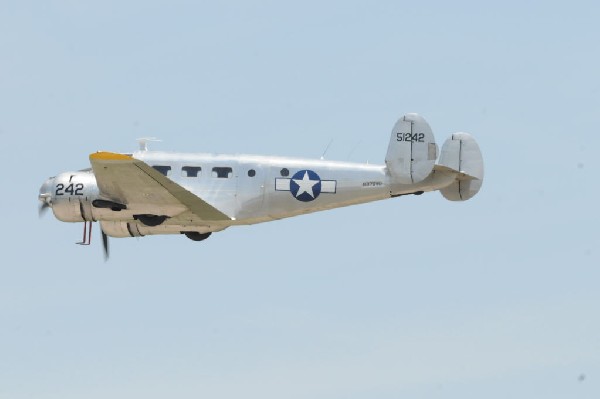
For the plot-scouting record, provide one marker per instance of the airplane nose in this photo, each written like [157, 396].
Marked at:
[45, 195]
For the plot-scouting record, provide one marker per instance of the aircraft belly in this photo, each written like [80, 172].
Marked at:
[121, 229]
[281, 205]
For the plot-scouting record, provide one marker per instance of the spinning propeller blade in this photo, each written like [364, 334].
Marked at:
[105, 245]
[43, 209]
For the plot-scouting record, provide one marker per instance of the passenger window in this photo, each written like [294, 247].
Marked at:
[190, 171]
[285, 172]
[251, 173]
[222, 172]
[163, 169]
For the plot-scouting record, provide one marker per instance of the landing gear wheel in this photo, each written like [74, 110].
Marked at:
[195, 236]
[150, 220]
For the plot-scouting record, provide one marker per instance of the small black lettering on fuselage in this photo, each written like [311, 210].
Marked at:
[414, 137]
[71, 189]
[372, 184]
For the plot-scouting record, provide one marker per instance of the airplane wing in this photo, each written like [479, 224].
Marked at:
[144, 190]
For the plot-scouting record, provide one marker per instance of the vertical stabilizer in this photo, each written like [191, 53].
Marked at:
[412, 150]
[461, 153]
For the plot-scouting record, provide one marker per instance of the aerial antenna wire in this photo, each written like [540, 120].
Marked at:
[326, 149]
[353, 149]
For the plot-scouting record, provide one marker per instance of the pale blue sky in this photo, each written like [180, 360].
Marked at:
[415, 297]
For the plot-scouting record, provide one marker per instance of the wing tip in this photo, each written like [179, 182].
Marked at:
[109, 156]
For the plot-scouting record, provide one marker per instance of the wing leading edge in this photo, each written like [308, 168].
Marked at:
[143, 189]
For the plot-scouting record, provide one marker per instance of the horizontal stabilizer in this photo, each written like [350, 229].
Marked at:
[461, 154]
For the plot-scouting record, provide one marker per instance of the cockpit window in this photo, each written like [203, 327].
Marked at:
[222, 172]
[190, 171]
[163, 169]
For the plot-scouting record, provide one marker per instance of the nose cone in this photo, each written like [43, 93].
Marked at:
[45, 195]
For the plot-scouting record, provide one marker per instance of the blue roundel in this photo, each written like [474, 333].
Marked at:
[305, 185]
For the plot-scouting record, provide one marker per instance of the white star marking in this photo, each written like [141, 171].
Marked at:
[306, 185]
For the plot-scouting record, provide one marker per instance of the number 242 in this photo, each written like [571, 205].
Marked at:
[70, 189]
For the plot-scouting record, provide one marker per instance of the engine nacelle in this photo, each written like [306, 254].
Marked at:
[70, 195]
[121, 229]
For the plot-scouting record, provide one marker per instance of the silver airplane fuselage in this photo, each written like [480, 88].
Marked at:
[152, 192]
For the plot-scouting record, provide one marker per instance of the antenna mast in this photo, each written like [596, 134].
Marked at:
[143, 142]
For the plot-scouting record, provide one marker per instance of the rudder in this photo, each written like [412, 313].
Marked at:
[412, 150]
[462, 154]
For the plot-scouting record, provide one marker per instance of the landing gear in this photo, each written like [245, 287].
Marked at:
[87, 238]
[87, 234]
[195, 236]
[150, 220]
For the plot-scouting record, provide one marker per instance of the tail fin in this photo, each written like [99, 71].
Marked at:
[461, 154]
[412, 150]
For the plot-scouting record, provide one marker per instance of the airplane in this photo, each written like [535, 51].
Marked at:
[195, 194]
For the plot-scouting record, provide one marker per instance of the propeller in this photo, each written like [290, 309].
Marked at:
[45, 196]
[105, 245]
[43, 209]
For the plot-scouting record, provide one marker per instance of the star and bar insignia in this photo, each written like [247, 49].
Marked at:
[306, 185]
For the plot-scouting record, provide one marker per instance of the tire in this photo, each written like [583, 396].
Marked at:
[195, 236]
